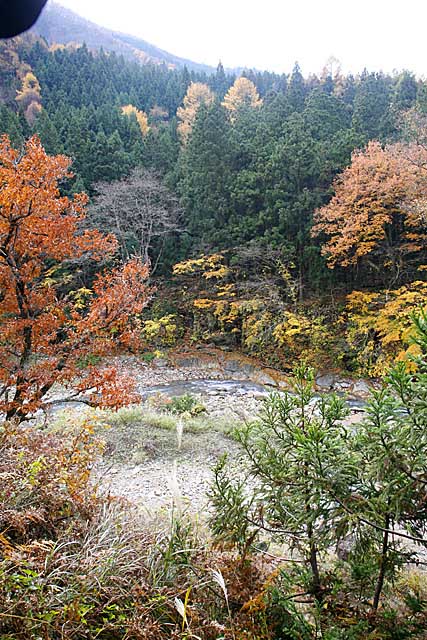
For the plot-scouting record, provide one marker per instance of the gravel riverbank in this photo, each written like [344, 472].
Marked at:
[151, 470]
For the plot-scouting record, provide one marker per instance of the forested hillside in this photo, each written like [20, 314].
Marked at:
[256, 167]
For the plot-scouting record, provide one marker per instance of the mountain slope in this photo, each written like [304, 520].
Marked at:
[62, 26]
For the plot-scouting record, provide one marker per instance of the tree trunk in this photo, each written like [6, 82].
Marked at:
[383, 564]
[316, 584]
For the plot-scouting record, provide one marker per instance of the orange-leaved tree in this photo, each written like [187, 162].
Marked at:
[50, 334]
[375, 216]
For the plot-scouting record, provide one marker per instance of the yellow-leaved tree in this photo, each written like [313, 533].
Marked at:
[29, 96]
[141, 117]
[380, 328]
[243, 93]
[198, 94]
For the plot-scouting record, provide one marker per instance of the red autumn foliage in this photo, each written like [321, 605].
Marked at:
[46, 331]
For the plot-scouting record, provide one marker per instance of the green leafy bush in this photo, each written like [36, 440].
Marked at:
[186, 404]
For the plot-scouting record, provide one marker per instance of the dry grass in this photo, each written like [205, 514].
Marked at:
[139, 433]
[75, 566]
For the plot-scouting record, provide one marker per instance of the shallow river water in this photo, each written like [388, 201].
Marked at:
[236, 388]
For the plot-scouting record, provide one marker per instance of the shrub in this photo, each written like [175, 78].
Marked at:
[186, 404]
[44, 482]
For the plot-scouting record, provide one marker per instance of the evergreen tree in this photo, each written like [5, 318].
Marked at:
[48, 133]
[296, 89]
[205, 177]
[11, 125]
[405, 91]
[325, 115]
[371, 115]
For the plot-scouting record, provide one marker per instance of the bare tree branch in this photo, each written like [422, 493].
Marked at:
[141, 211]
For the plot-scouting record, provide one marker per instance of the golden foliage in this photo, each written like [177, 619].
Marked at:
[226, 291]
[29, 97]
[378, 207]
[140, 116]
[289, 334]
[161, 330]
[197, 94]
[204, 303]
[211, 266]
[292, 325]
[367, 195]
[29, 83]
[258, 325]
[380, 325]
[243, 93]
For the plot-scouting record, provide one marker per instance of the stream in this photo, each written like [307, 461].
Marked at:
[237, 388]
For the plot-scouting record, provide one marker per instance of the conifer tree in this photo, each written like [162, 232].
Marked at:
[296, 92]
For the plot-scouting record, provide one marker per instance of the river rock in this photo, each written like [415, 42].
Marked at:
[342, 385]
[233, 366]
[187, 362]
[160, 362]
[248, 369]
[259, 395]
[361, 388]
[265, 379]
[326, 381]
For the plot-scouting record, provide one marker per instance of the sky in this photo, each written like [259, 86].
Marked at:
[274, 34]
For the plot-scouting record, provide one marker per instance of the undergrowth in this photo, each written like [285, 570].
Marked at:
[138, 433]
[152, 417]
[75, 565]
